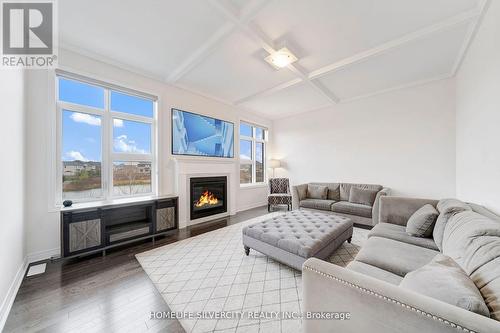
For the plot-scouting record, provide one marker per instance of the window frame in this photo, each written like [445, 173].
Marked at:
[108, 156]
[254, 140]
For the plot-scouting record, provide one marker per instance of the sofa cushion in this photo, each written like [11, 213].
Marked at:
[394, 256]
[398, 232]
[317, 192]
[447, 208]
[316, 204]
[345, 189]
[445, 280]
[421, 223]
[333, 190]
[362, 196]
[302, 191]
[473, 241]
[398, 210]
[374, 272]
[346, 207]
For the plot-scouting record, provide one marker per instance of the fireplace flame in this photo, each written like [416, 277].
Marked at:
[206, 198]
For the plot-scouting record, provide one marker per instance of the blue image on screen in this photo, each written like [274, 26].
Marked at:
[194, 134]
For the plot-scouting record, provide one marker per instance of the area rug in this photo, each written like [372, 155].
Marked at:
[211, 274]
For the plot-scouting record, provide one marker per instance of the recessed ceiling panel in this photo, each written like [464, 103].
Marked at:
[238, 4]
[155, 36]
[294, 99]
[419, 60]
[321, 32]
[236, 70]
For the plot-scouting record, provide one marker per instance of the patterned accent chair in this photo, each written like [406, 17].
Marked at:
[279, 193]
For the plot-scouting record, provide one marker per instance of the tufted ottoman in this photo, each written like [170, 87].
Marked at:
[294, 237]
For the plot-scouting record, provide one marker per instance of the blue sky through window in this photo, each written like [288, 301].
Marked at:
[81, 135]
[259, 133]
[259, 152]
[245, 149]
[246, 130]
[81, 132]
[81, 93]
[131, 137]
[131, 104]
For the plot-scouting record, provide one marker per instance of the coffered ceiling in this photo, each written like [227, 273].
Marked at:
[346, 49]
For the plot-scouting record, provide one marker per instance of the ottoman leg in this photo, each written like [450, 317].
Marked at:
[349, 240]
[247, 250]
[268, 208]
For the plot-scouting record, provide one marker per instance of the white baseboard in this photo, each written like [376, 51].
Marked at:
[43, 255]
[11, 293]
[251, 206]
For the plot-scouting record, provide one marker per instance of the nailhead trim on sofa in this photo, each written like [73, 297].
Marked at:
[352, 285]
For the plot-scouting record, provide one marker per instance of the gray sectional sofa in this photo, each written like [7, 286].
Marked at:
[393, 285]
[359, 202]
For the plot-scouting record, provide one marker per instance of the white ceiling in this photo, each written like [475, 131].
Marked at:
[347, 49]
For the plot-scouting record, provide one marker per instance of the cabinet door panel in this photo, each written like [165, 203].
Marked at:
[165, 219]
[84, 235]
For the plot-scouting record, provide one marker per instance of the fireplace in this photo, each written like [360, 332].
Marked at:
[208, 196]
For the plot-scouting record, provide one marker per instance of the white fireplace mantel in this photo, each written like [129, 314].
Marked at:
[186, 168]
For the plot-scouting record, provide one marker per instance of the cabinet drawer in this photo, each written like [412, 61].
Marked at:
[166, 203]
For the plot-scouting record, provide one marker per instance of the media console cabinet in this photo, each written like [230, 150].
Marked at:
[94, 227]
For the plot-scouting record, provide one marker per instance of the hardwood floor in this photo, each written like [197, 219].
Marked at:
[101, 294]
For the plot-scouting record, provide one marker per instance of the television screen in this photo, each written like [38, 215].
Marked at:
[197, 135]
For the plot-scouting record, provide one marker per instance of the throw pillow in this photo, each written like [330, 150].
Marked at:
[444, 280]
[362, 196]
[317, 192]
[302, 191]
[421, 223]
[447, 208]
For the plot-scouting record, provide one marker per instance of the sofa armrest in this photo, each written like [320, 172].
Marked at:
[377, 306]
[296, 195]
[376, 204]
[397, 210]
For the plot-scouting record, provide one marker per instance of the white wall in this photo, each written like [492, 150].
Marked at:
[404, 140]
[12, 203]
[43, 228]
[478, 116]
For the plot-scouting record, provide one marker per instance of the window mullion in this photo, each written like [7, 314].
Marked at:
[131, 117]
[131, 157]
[264, 157]
[107, 147]
[254, 156]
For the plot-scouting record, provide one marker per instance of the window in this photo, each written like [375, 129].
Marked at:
[106, 141]
[252, 153]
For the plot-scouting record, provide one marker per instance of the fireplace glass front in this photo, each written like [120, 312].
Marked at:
[208, 196]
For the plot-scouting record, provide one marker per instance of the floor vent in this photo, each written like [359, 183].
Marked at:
[36, 269]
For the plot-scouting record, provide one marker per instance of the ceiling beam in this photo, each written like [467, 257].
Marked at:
[408, 38]
[380, 49]
[267, 44]
[205, 49]
[269, 91]
[250, 30]
[316, 85]
[399, 87]
[483, 7]
[201, 52]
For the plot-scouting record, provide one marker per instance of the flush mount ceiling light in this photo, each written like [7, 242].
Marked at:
[281, 58]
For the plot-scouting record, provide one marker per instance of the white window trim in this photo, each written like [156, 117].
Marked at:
[254, 140]
[108, 156]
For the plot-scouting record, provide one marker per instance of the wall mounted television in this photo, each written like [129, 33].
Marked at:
[197, 135]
